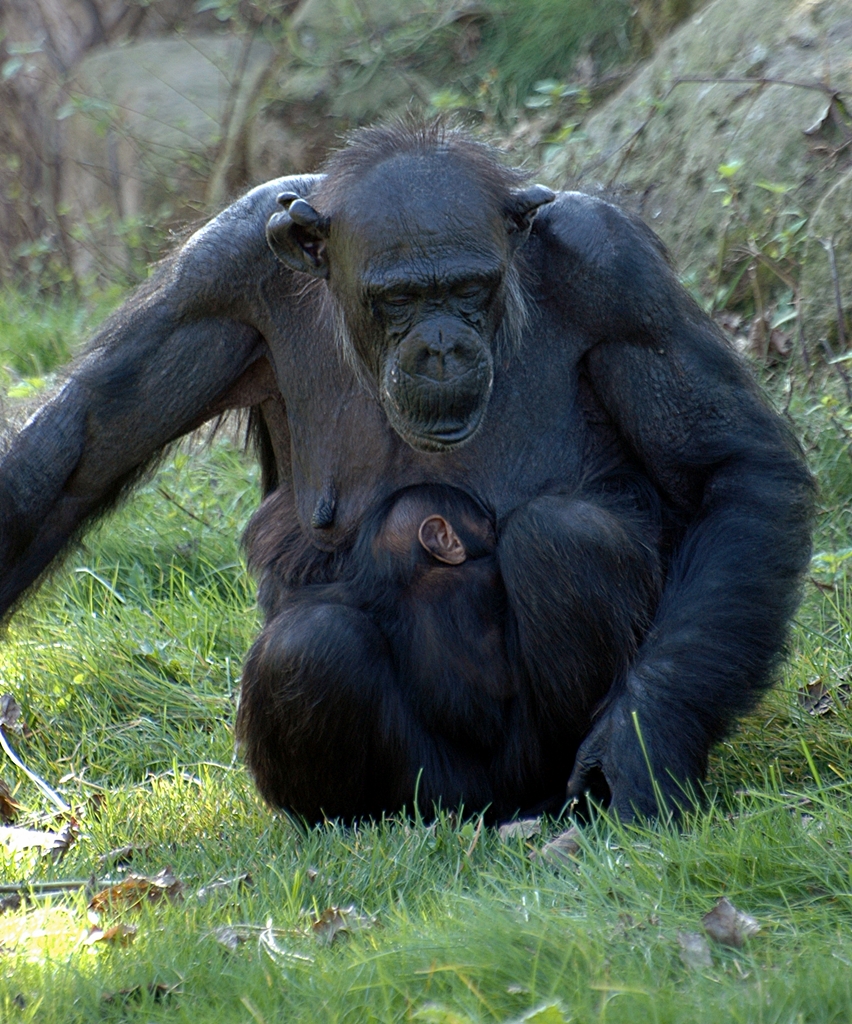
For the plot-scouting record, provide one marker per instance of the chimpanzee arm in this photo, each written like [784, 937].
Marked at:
[734, 477]
[183, 349]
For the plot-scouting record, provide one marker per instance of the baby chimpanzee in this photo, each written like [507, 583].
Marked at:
[419, 631]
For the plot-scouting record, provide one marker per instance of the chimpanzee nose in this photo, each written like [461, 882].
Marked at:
[440, 351]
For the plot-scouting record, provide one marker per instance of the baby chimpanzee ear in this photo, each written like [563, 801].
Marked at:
[441, 540]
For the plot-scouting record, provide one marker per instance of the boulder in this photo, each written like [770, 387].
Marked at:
[151, 132]
[736, 138]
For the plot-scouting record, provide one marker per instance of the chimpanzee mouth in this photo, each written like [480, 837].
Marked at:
[436, 417]
[440, 430]
[447, 437]
[436, 440]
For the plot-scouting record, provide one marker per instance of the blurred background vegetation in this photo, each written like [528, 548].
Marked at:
[125, 118]
[724, 124]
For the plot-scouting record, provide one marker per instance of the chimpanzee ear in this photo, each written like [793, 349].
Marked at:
[297, 235]
[441, 540]
[521, 209]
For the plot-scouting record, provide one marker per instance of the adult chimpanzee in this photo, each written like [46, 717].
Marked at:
[432, 319]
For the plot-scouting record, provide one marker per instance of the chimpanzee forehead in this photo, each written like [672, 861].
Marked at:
[422, 206]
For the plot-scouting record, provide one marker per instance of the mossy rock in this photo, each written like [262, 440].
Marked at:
[719, 165]
[146, 131]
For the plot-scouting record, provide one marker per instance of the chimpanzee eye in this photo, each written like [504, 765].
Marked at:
[470, 290]
[398, 300]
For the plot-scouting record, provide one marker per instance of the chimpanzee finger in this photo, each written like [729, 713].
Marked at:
[588, 761]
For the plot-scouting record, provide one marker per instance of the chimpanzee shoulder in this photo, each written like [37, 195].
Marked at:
[607, 270]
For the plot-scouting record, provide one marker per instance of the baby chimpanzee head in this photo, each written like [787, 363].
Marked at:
[429, 524]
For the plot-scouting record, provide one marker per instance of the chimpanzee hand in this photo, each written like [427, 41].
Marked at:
[635, 777]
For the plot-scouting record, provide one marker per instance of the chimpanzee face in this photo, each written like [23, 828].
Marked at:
[417, 262]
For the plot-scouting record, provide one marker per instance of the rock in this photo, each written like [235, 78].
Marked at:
[664, 139]
[150, 130]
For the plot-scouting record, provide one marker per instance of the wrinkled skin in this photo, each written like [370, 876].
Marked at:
[419, 316]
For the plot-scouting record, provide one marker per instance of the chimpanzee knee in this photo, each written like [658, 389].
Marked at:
[321, 721]
[582, 582]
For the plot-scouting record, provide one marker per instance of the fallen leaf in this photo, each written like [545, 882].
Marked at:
[10, 713]
[781, 341]
[229, 937]
[277, 953]
[65, 839]
[54, 843]
[336, 920]
[95, 805]
[156, 989]
[120, 857]
[694, 951]
[524, 828]
[821, 121]
[135, 890]
[9, 807]
[118, 935]
[561, 851]
[728, 321]
[10, 902]
[238, 882]
[818, 699]
[729, 926]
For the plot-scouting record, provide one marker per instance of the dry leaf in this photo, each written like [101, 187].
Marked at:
[821, 121]
[9, 807]
[818, 699]
[55, 843]
[10, 713]
[10, 902]
[119, 857]
[238, 882]
[65, 839]
[229, 937]
[694, 951]
[156, 989]
[728, 321]
[138, 889]
[524, 828]
[118, 935]
[781, 341]
[335, 920]
[279, 954]
[561, 851]
[729, 926]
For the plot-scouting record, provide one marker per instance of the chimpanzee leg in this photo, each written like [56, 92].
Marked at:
[582, 582]
[320, 721]
[324, 725]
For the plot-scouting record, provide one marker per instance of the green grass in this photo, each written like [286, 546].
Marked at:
[39, 334]
[126, 665]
